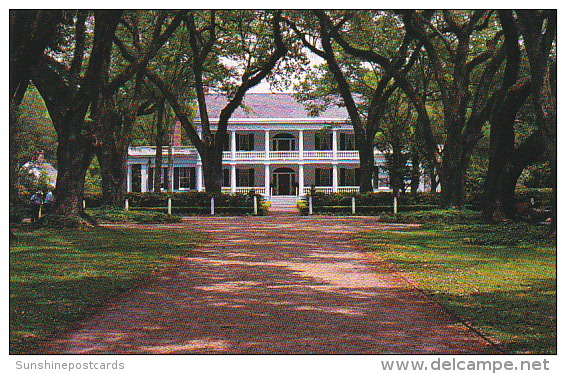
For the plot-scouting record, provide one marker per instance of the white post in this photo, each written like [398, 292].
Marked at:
[199, 176]
[334, 178]
[233, 179]
[212, 206]
[334, 144]
[169, 206]
[127, 205]
[395, 204]
[353, 205]
[129, 179]
[301, 146]
[310, 204]
[255, 205]
[301, 180]
[266, 179]
[266, 138]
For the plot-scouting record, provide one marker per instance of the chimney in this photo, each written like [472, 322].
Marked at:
[177, 134]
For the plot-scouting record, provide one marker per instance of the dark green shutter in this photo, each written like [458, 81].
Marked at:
[193, 178]
[317, 177]
[150, 179]
[251, 143]
[226, 178]
[357, 177]
[342, 141]
[176, 182]
[342, 177]
[317, 142]
[251, 181]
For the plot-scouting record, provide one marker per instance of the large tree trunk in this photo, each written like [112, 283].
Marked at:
[212, 170]
[452, 176]
[73, 161]
[113, 168]
[505, 162]
[367, 161]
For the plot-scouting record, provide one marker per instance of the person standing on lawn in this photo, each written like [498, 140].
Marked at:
[36, 202]
[48, 202]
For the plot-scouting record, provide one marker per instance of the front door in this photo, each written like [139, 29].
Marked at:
[284, 184]
[284, 180]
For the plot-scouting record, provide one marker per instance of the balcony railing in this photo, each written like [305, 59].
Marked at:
[251, 155]
[328, 189]
[244, 190]
[289, 155]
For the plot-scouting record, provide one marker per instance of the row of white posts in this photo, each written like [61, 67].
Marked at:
[127, 205]
[354, 205]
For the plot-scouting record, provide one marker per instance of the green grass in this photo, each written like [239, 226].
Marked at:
[501, 279]
[57, 278]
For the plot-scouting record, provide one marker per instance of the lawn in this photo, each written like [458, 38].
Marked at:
[57, 278]
[500, 279]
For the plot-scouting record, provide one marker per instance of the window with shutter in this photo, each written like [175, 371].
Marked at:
[226, 179]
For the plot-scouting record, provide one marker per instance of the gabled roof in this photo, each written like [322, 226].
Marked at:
[268, 106]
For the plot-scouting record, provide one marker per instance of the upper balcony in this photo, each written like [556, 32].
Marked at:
[250, 156]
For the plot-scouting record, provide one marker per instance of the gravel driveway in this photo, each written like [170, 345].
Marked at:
[276, 284]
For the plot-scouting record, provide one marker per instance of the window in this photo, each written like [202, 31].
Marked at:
[184, 178]
[322, 142]
[151, 173]
[380, 177]
[245, 142]
[347, 142]
[323, 177]
[245, 178]
[349, 177]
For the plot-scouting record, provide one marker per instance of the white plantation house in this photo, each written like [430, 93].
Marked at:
[274, 148]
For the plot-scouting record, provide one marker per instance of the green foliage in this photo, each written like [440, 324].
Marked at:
[58, 278]
[501, 279]
[182, 203]
[538, 175]
[139, 216]
[93, 179]
[320, 199]
[191, 199]
[32, 130]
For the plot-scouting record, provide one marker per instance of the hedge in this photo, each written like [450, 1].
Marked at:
[372, 199]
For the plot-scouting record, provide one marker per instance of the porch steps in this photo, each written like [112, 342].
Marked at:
[283, 201]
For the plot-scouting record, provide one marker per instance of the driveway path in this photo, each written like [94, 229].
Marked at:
[275, 284]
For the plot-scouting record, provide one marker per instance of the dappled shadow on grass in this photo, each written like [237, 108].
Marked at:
[507, 291]
[525, 320]
[58, 278]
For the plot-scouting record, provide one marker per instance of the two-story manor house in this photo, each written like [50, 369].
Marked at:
[274, 148]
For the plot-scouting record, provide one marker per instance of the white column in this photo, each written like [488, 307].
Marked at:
[233, 144]
[301, 145]
[144, 178]
[233, 178]
[334, 178]
[129, 179]
[334, 144]
[266, 138]
[301, 180]
[199, 176]
[267, 191]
